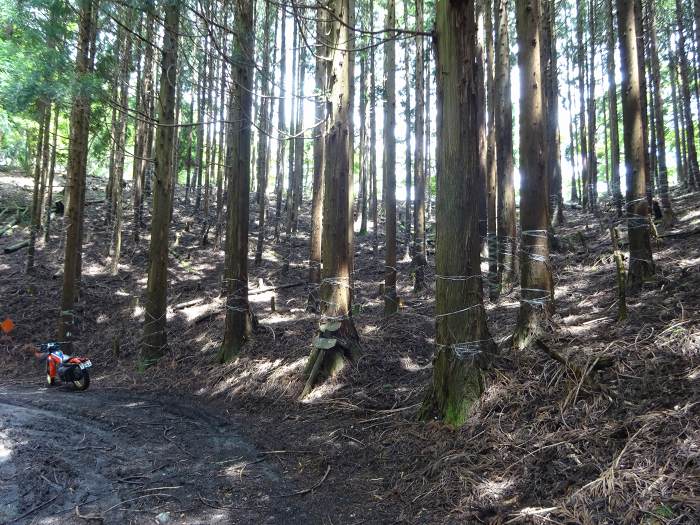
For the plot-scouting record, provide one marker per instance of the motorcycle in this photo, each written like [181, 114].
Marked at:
[69, 369]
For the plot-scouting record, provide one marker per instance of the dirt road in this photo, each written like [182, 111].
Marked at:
[114, 456]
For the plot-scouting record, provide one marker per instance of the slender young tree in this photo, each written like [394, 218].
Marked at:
[613, 120]
[155, 338]
[582, 130]
[144, 88]
[239, 318]
[659, 119]
[265, 127]
[553, 138]
[374, 200]
[507, 242]
[680, 165]
[337, 340]
[282, 127]
[52, 170]
[42, 151]
[491, 178]
[317, 189]
[120, 150]
[419, 261]
[641, 265]
[692, 165]
[407, 136]
[592, 112]
[462, 338]
[536, 287]
[363, 161]
[389, 141]
[77, 170]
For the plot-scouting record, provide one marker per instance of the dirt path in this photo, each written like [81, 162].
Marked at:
[129, 457]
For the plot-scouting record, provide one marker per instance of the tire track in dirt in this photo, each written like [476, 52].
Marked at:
[127, 457]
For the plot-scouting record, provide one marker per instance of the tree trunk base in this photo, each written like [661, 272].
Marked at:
[532, 323]
[333, 349]
[457, 385]
[230, 349]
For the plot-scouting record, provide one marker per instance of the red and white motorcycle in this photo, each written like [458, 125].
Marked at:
[69, 369]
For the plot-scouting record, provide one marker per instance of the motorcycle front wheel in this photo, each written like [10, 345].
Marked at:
[84, 382]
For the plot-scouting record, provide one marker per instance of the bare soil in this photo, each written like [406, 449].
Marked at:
[543, 446]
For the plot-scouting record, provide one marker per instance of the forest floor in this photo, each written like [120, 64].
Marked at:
[621, 445]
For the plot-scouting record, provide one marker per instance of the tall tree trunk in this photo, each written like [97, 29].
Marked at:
[222, 147]
[155, 339]
[419, 260]
[42, 150]
[659, 119]
[572, 131]
[389, 142]
[239, 319]
[291, 182]
[641, 63]
[374, 198]
[552, 126]
[613, 121]
[282, 127]
[592, 112]
[507, 242]
[462, 338]
[337, 339]
[583, 141]
[298, 188]
[482, 165]
[144, 89]
[536, 287]
[681, 174]
[491, 184]
[318, 176]
[201, 118]
[52, 169]
[407, 138]
[692, 166]
[264, 127]
[119, 155]
[364, 168]
[641, 266]
[76, 172]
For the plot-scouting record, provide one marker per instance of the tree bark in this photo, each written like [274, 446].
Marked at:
[407, 138]
[692, 166]
[239, 319]
[318, 177]
[42, 151]
[76, 172]
[419, 261]
[155, 339]
[282, 127]
[681, 174]
[507, 242]
[613, 121]
[659, 120]
[536, 287]
[374, 198]
[52, 170]
[337, 340]
[120, 149]
[265, 127]
[641, 265]
[582, 134]
[389, 142]
[462, 338]
[592, 113]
